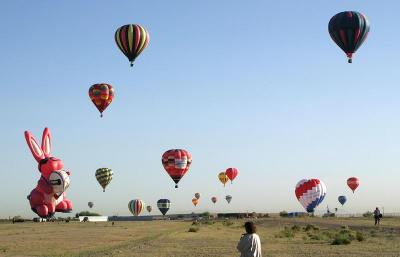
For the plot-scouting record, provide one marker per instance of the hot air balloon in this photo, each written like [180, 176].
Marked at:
[349, 30]
[136, 206]
[353, 183]
[131, 39]
[232, 173]
[214, 199]
[163, 205]
[197, 195]
[149, 209]
[90, 204]
[102, 96]
[223, 177]
[342, 199]
[310, 193]
[176, 162]
[195, 201]
[104, 177]
[228, 198]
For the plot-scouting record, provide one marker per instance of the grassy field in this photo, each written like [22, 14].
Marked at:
[281, 237]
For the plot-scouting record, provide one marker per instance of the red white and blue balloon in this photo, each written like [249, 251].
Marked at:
[310, 193]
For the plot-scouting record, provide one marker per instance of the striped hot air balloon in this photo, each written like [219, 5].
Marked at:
[223, 177]
[101, 95]
[349, 30]
[136, 206]
[163, 205]
[176, 162]
[131, 39]
[104, 177]
[310, 193]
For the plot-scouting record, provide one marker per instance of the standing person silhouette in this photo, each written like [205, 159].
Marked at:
[377, 216]
[249, 244]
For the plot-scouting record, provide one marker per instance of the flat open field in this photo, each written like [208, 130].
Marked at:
[217, 239]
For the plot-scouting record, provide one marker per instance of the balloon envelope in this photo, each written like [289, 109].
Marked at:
[310, 193]
[232, 173]
[163, 205]
[176, 163]
[104, 177]
[349, 30]
[353, 183]
[197, 195]
[101, 95]
[223, 177]
[195, 201]
[149, 209]
[136, 206]
[131, 39]
[342, 199]
[90, 204]
[228, 198]
[214, 199]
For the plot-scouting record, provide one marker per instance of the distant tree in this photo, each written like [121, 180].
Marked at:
[367, 214]
[283, 214]
[88, 213]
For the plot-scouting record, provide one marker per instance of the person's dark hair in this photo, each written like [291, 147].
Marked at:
[250, 227]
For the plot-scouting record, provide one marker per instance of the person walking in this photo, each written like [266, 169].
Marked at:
[377, 216]
[249, 244]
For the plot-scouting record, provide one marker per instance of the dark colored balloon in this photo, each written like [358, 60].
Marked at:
[163, 205]
[349, 30]
[342, 199]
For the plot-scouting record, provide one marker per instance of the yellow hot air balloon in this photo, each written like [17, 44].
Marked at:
[104, 177]
[223, 177]
[195, 201]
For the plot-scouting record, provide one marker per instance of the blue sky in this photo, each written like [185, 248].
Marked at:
[259, 86]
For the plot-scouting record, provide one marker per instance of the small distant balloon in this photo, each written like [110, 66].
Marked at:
[214, 199]
[90, 204]
[353, 183]
[197, 195]
[232, 173]
[149, 209]
[342, 199]
[228, 198]
[195, 201]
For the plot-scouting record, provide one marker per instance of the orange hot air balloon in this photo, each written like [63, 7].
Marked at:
[353, 183]
[223, 177]
[195, 201]
[102, 96]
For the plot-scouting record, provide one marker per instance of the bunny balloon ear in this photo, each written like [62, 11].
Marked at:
[34, 147]
[46, 142]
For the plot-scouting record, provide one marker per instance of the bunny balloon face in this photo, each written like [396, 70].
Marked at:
[48, 196]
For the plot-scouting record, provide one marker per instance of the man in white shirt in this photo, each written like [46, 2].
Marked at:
[249, 244]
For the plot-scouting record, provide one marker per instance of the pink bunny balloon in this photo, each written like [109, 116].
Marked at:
[49, 195]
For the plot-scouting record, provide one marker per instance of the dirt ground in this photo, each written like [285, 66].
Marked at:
[213, 238]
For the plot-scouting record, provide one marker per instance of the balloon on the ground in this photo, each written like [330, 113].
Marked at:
[232, 173]
[223, 177]
[104, 177]
[342, 199]
[149, 209]
[197, 195]
[228, 198]
[349, 30]
[176, 162]
[214, 199]
[101, 95]
[310, 193]
[131, 39]
[136, 206]
[90, 204]
[353, 183]
[163, 205]
[48, 196]
[195, 201]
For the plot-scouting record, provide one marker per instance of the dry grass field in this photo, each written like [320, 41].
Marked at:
[281, 237]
